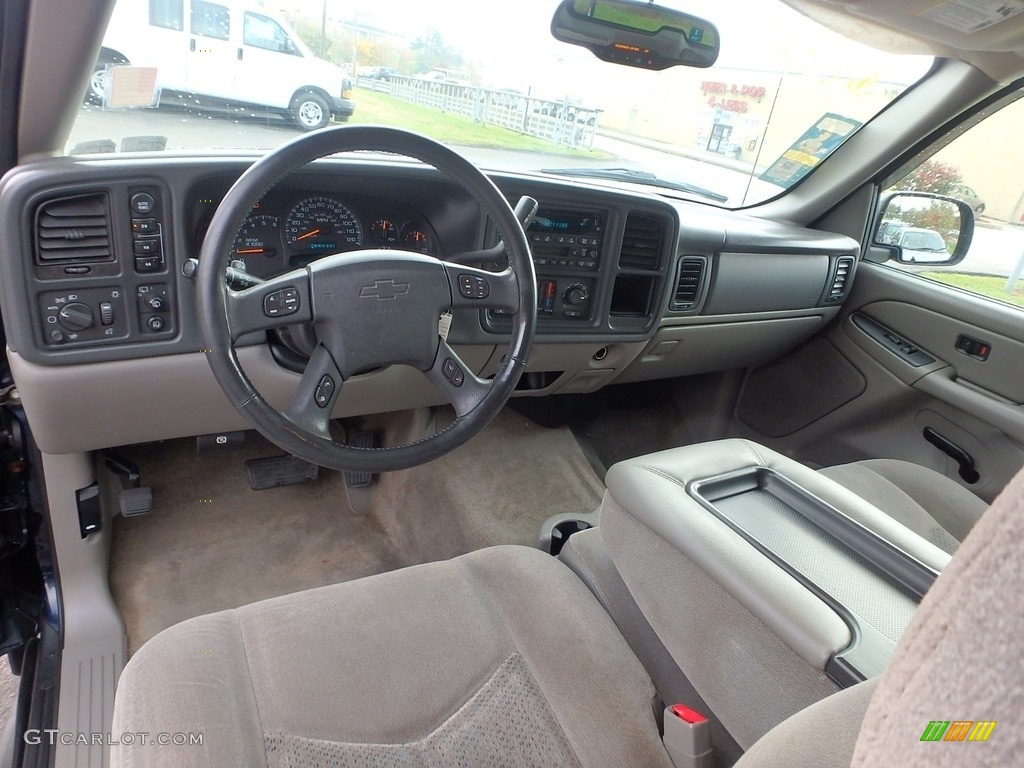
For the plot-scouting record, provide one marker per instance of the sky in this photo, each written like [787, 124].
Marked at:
[512, 47]
[757, 34]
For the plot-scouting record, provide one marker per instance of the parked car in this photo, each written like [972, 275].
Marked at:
[921, 245]
[969, 196]
[223, 53]
[380, 73]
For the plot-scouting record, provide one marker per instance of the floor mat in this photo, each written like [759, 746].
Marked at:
[212, 543]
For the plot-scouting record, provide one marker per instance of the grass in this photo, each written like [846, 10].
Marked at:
[381, 109]
[985, 285]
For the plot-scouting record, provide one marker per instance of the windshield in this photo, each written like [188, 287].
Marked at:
[187, 75]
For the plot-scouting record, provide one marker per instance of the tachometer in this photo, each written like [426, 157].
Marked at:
[321, 224]
[257, 244]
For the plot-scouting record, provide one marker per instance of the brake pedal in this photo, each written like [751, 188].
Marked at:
[277, 471]
[136, 499]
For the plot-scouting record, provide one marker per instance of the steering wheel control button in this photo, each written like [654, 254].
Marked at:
[473, 287]
[451, 371]
[142, 203]
[327, 385]
[281, 302]
[324, 391]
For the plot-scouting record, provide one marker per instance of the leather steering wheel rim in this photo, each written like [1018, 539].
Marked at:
[332, 288]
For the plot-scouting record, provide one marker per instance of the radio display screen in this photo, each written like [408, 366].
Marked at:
[565, 223]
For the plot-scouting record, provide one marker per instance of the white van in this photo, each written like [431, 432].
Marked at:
[227, 51]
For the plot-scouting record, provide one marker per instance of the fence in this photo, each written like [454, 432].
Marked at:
[560, 122]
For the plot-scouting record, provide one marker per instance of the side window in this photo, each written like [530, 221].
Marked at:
[210, 20]
[262, 32]
[169, 14]
[983, 166]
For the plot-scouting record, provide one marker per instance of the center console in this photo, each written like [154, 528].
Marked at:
[600, 270]
[770, 585]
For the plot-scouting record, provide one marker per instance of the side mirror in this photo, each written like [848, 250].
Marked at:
[922, 228]
[636, 34]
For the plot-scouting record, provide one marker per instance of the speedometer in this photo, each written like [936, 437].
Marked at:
[322, 224]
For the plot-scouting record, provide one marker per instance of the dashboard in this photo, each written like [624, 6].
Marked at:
[631, 286]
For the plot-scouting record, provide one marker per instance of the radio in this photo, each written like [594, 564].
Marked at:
[567, 240]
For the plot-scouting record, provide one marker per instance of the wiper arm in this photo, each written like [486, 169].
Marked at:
[640, 177]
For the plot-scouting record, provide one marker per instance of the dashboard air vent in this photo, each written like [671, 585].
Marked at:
[74, 229]
[641, 242]
[840, 279]
[688, 282]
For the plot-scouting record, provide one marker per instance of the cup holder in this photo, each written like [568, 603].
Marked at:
[555, 531]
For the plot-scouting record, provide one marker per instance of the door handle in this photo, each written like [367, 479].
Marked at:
[967, 469]
[239, 54]
[192, 44]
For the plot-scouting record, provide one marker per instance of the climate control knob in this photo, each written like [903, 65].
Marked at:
[76, 316]
[575, 294]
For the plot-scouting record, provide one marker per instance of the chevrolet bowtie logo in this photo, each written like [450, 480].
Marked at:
[383, 290]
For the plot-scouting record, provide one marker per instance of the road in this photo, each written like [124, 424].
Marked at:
[995, 250]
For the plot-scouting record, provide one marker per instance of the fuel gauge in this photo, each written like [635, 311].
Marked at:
[416, 240]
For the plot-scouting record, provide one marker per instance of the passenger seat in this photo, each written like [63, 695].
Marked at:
[928, 503]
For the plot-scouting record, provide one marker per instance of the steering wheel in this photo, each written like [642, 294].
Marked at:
[368, 309]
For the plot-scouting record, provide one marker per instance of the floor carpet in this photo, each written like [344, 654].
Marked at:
[212, 543]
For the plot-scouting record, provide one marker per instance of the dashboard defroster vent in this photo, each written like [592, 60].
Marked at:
[840, 279]
[688, 283]
[641, 242]
[74, 230]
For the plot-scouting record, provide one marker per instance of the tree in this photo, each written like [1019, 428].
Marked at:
[931, 176]
[430, 51]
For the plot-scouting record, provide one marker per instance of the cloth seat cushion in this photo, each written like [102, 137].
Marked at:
[930, 504]
[499, 657]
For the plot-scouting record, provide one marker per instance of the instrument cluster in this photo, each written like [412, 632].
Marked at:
[279, 235]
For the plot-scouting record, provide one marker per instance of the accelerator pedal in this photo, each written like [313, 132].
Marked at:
[277, 471]
[361, 440]
[359, 486]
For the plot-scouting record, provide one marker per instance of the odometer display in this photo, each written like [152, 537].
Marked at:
[322, 225]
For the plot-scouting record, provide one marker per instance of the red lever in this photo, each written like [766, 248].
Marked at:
[686, 714]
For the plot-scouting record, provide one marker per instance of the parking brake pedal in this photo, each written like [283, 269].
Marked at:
[276, 471]
[136, 499]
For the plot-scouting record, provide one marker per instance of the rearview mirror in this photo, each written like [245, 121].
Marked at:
[636, 34]
[924, 228]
